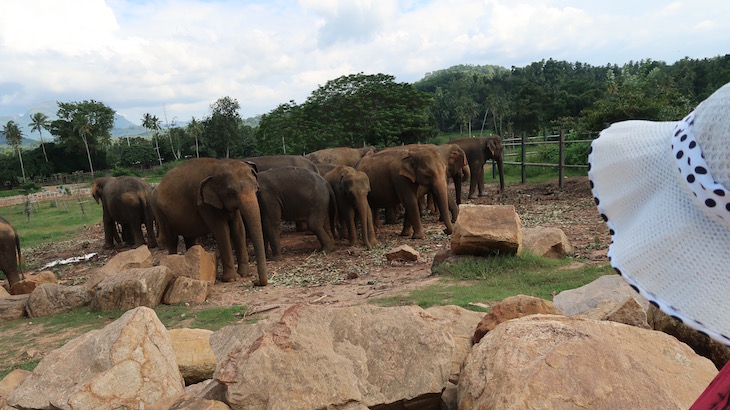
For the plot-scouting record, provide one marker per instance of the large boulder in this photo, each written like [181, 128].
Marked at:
[127, 364]
[628, 312]
[26, 286]
[512, 308]
[607, 287]
[546, 241]
[10, 383]
[186, 290]
[140, 257]
[13, 307]
[698, 341]
[486, 229]
[4, 292]
[193, 354]
[132, 288]
[197, 264]
[313, 357]
[50, 299]
[558, 362]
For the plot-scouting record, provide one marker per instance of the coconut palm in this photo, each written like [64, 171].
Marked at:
[14, 137]
[39, 122]
[152, 123]
[85, 128]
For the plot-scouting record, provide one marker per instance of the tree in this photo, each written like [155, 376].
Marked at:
[152, 123]
[195, 129]
[88, 124]
[40, 122]
[222, 127]
[14, 137]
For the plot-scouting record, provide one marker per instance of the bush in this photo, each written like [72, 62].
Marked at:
[119, 171]
[30, 187]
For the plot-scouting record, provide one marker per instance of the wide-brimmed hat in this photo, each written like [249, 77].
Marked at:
[662, 188]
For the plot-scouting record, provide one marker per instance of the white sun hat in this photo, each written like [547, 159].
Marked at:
[662, 188]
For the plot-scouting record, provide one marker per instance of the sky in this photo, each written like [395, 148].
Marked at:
[174, 58]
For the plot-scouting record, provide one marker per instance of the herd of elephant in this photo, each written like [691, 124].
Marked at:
[327, 190]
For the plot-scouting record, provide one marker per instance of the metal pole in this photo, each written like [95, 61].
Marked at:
[561, 159]
[524, 154]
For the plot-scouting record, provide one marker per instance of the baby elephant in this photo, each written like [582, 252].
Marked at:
[298, 195]
[351, 189]
[125, 200]
[9, 252]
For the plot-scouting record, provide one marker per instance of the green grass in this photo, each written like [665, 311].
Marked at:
[51, 224]
[489, 279]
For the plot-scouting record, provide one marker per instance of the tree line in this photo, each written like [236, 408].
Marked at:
[360, 109]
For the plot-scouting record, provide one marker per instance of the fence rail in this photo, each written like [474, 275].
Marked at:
[524, 142]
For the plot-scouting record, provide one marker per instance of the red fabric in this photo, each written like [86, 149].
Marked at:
[717, 395]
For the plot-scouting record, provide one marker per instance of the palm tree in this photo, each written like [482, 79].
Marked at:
[151, 122]
[39, 122]
[85, 128]
[14, 137]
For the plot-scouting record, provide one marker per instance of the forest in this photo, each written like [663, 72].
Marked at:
[373, 109]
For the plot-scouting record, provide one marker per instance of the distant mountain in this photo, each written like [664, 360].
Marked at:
[122, 126]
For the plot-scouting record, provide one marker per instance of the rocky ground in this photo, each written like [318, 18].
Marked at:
[350, 275]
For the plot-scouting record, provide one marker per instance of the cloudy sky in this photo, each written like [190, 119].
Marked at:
[139, 56]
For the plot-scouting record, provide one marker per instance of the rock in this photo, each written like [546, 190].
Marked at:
[311, 357]
[512, 308]
[208, 389]
[186, 290]
[50, 299]
[13, 307]
[546, 241]
[4, 292]
[10, 383]
[197, 263]
[196, 403]
[446, 256]
[629, 312]
[558, 362]
[718, 353]
[486, 229]
[26, 286]
[403, 253]
[195, 359]
[139, 257]
[132, 288]
[127, 364]
[459, 323]
[608, 287]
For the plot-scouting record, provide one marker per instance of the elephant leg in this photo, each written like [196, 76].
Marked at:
[457, 188]
[349, 217]
[391, 217]
[480, 179]
[238, 236]
[270, 227]
[377, 223]
[222, 234]
[190, 241]
[317, 224]
[474, 180]
[413, 217]
[453, 208]
[110, 231]
[137, 237]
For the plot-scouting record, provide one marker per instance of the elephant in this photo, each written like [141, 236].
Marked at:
[10, 255]
[340, 155]
[299, 195]
[323, 169]
[395, 175]
[266, 162]
[218, 196]
[478, 150]
[351, 188]
[125, 200]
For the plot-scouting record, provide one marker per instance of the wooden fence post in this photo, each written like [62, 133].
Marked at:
[524, 155]
[561, 159]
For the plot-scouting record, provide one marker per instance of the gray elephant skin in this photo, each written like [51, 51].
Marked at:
[351, 188]
[478, 151]
[206, 195]
[340, 155]
[125, 200]
[10, 255]
[298, 195]
[396, 174]
[267, 162]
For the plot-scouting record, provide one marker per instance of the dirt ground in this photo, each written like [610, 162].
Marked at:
[351, 275]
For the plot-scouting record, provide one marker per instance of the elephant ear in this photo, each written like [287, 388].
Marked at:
[458, 159]
[253, 167]
[408, 168]
[492, 146]
[96, 192]
[207, 195]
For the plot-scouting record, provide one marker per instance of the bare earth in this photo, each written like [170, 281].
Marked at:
[351, 275]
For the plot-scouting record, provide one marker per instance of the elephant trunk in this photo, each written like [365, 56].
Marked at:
[366, 221]
[252, 219]
[500, 168]
[442, 200]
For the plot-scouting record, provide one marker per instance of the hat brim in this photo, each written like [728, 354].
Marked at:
[663, 244]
